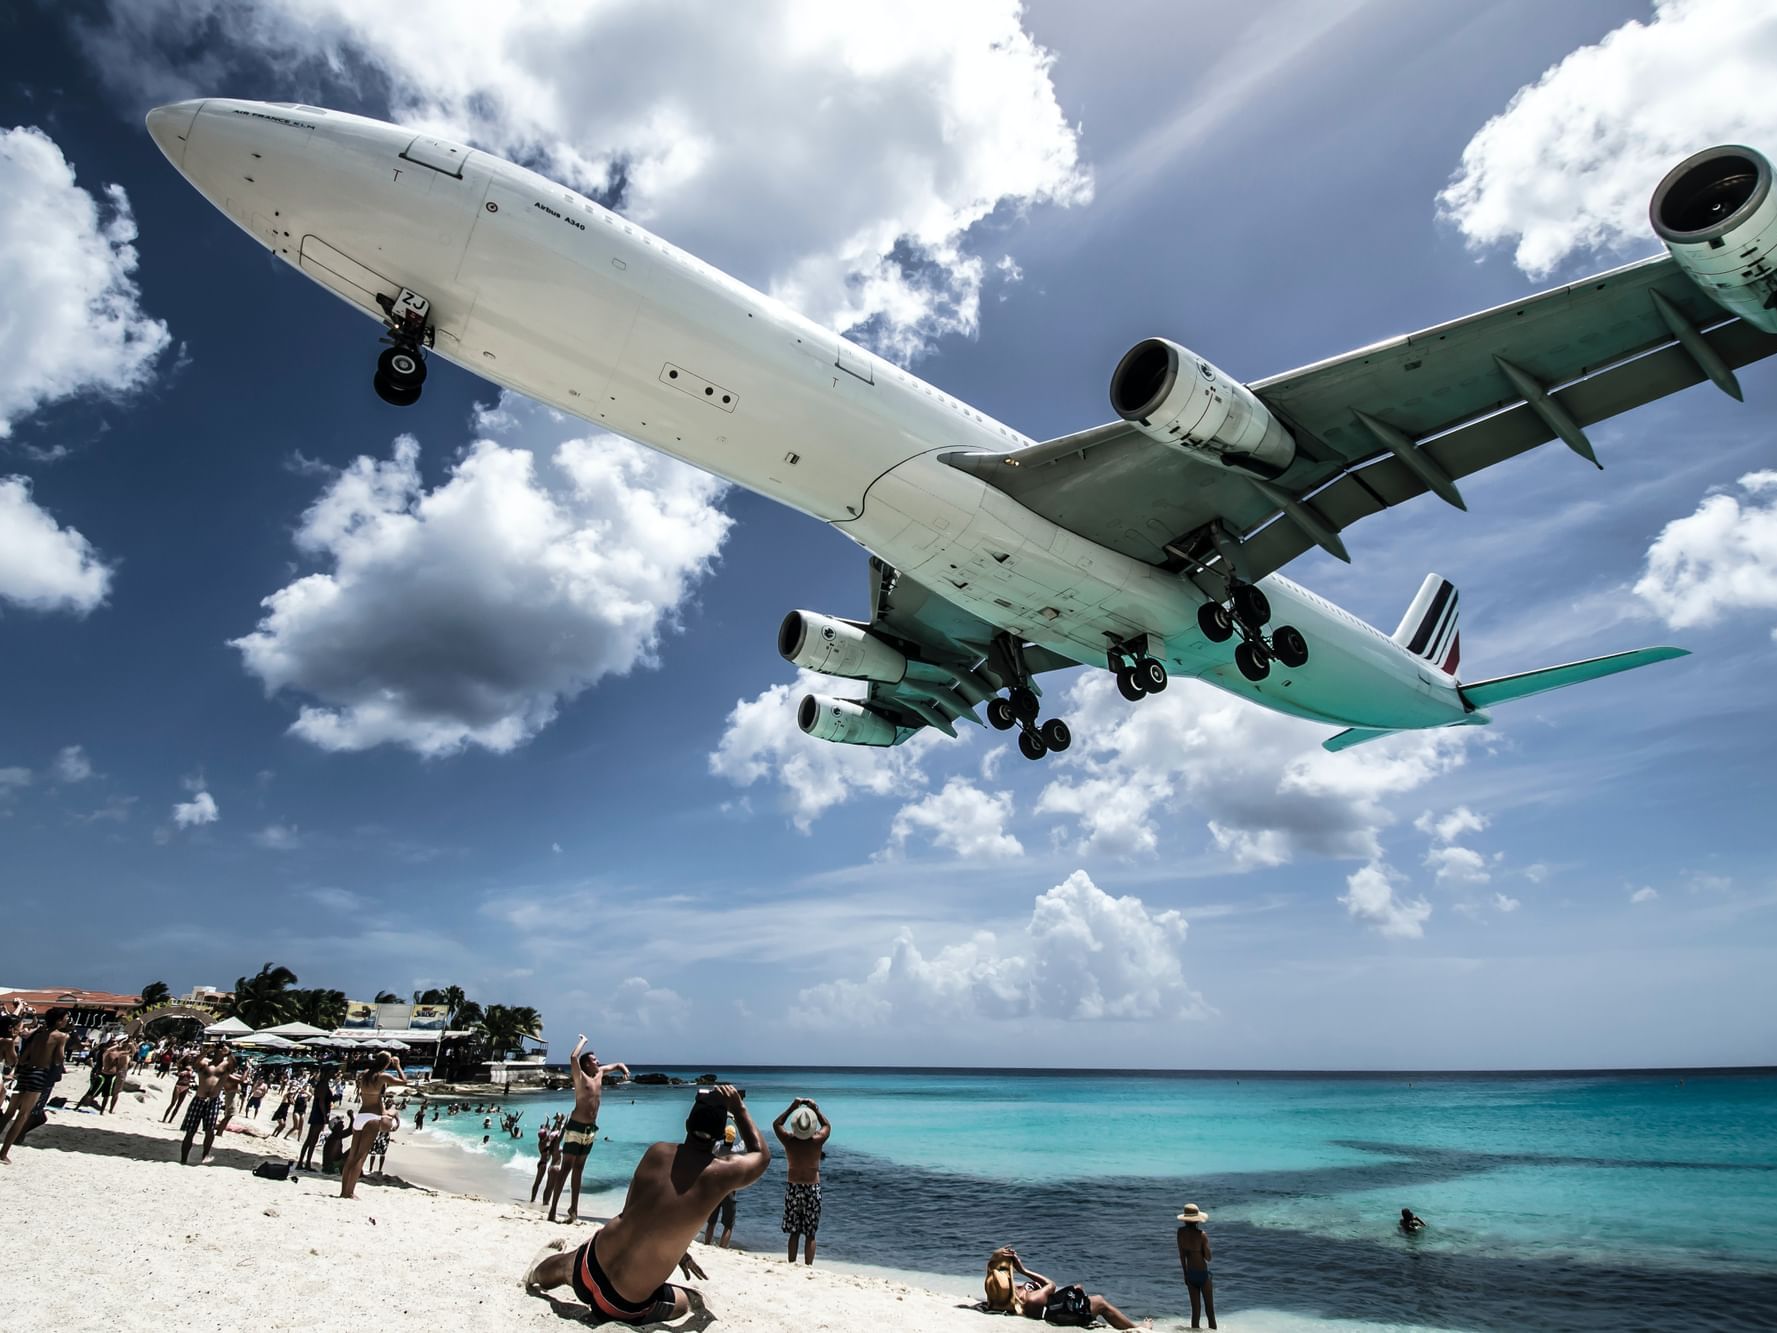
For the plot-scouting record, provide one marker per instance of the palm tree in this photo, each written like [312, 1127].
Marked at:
[155, 992]
[321, 1007]
[505, 1027]
[432, 996]
[453, 1001]
[265, 999]
[387, 997]
[466, 1015]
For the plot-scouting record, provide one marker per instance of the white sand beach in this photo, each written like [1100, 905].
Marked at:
[106, 1229]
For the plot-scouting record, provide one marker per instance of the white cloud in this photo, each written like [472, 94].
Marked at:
[14, 777]
[1718, 560]
[72, 765]
[468, 614]
[1574, 158]
[1458, 865]
[1452, 825]
[1083, 955]
[72, 324]
[1370, 897]
[199, 810]
[278, 838]
[857, 145]
[1644, 895]
[43, 565]
[960, 817]
[637, 1004]
[337, 900]
[761, 742]
[1505, 902]
[1266, 789]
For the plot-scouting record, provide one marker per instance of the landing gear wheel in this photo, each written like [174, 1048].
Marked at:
[1254, 662]
[1215, 622]
[1000, 714]
[396, 395]
[1031, 745]
[1250, 605]
[1056, 734]
[1151, 673]
[1129, 686]
[402, 366]
[1288, 646]
[1024, 703]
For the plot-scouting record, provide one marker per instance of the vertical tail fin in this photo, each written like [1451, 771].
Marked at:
[1429, 629]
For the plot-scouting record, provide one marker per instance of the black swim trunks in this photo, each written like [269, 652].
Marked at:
[592, 1286]
[725, 1211]
[577, 1138]
[802, 1209]
[200, 1113]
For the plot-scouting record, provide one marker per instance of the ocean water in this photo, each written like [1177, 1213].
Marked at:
[1555, 1201]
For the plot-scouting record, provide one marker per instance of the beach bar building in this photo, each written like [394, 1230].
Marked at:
[89, 1009]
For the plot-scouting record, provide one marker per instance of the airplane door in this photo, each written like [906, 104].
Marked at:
[441, 155]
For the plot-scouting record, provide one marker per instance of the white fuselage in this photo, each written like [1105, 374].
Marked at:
[540, 290]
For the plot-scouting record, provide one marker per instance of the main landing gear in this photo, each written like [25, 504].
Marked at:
[1138, 675]
[1245, 614]
[1018, 707]
[401, 369]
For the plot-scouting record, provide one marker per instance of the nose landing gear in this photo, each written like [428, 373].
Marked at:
[401, 369]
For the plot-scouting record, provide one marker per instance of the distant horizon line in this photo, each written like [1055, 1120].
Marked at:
[1085, 1071]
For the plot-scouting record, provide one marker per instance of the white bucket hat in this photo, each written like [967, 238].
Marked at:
[803, 1123]
[1193, 1213]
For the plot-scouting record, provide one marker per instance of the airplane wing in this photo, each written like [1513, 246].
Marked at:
[954, 659]
[1460, 397]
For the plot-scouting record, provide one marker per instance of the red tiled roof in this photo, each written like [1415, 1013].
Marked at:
[71, 997]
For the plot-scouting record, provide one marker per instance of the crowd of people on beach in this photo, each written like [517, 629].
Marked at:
[623, 1270]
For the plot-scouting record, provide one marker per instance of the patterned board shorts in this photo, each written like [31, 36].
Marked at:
[200, 1113]
[802, 1209]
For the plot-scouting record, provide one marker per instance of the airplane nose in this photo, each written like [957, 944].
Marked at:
[170, 126]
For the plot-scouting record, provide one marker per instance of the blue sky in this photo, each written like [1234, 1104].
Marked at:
[648, 851]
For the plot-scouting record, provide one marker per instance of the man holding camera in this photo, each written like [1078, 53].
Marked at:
[622, 1271]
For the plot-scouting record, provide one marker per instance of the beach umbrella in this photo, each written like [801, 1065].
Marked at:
[293, 1030]
[228, 1027]
[396, 1046]
[318, 1041]
[268, 1041]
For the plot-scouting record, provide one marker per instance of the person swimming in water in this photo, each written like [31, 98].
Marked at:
[1410, 1223]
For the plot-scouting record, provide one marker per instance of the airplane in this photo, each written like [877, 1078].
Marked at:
[1144, 546]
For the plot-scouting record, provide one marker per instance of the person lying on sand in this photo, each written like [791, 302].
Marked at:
[622, 1270]
[1013, 1287]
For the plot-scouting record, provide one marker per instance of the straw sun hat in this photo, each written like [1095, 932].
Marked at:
[1193, 1213]
[803, 1123]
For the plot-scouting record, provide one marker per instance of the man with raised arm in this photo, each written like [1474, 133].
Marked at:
[582, 1129]
[804, 1140]
[622, 1271]
[213, 1068]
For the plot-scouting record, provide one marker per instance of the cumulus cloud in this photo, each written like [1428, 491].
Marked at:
[1083, 955]
[863, 142]
[1265, 788]
[201, 809]
[1574, 158]
[1451, 825]
[961, 818]
[1644, 894]
[278, 838]
[1505, 903]
[762, 743]
[1458, 865]
[1718, 560]
[71, 765]
[636, 1003]
[13, 777]
[469, 613]
[43, 565]
[73, 324]
[1370, 897]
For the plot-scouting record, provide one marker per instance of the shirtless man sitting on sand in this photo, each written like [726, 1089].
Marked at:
[622, 1271]
[373, 1117]
[213, 1068]
[582, 1128]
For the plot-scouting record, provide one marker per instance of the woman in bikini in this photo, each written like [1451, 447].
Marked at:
[1193, 1257]
[181, 1086]
[371, 1118]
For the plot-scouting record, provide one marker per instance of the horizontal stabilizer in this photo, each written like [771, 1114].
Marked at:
[1485, 693]
[1355, 736]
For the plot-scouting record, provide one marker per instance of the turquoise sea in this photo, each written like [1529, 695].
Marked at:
[1555, 1200]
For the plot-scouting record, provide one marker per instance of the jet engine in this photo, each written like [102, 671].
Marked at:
[844, 720]
[1717, 213]
[1176, 397]
[838, 648]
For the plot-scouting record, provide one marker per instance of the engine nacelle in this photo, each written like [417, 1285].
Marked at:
[844, 720]
[1176, 397]
[1717, 213]
[838, 648]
